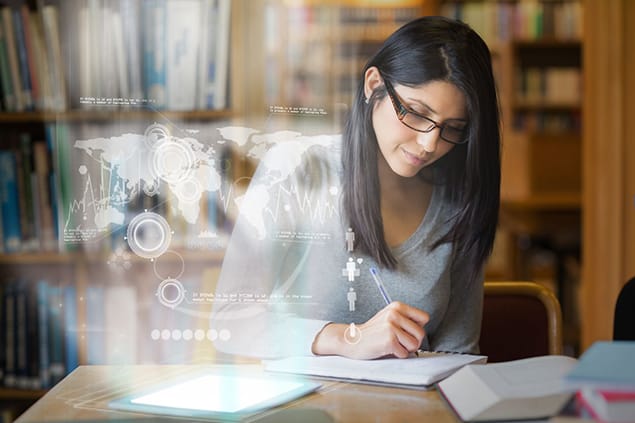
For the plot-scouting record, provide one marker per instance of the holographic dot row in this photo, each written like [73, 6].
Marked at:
[189, 335]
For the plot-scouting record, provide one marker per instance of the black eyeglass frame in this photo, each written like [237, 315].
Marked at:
[402, 111]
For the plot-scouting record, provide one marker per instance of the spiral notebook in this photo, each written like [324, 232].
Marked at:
[417, 372]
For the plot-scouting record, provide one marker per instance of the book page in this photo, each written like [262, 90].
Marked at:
[423, 370]
[534, 376]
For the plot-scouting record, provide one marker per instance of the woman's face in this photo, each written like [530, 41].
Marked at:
[405, 150]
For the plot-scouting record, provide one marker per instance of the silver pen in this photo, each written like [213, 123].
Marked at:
[380, 285]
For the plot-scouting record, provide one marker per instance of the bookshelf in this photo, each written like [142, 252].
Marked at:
[315, 51]
[537, 50]
[92, 84]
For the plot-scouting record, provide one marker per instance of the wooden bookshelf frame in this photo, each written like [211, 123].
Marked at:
[609, 163]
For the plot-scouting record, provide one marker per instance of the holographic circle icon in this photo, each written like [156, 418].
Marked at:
[170, 293]
[149, 235]
[352, 334]
[167, 266]
[172, 161]
[156, 133]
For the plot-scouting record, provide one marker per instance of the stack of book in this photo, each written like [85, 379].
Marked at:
[605, 381]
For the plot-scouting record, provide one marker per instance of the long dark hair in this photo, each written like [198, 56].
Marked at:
[431, 49]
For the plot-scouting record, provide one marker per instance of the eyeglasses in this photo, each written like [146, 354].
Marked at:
[452, 130]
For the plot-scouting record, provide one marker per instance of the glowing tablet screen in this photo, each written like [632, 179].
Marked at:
[216, 394]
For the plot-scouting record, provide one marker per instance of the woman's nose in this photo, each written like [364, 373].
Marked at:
[429, 140]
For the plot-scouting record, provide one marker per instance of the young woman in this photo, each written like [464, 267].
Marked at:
[373, 244]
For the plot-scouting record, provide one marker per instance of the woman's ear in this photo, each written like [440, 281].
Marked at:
[372, 80]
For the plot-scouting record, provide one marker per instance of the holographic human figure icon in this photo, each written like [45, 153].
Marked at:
[350, 239]
[351, 296]
[351, 270]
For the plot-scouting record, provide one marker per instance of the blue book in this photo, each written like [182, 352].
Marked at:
[70, 328]
[605, 365]
[9, 202]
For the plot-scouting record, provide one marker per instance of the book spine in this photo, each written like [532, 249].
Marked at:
[3, 330]
[206, 19]
[32, 338]
[12, 53]
[8, 96]
[119, 52]
[50, 19]
[120, 310]
[9, 202]
[29, 235]
[154, 52]
[182, 45]
[25, 16]
[42, 170]
[43, 333]
[10, 335]
[222, 54]
[23, 61]
[44, 101]
[21, 353]
[71, 328]
[57, 141]
[95, 347]
[21, 185]
[56, 334]
[132, 35]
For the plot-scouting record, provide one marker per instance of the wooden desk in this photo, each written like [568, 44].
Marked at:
[84, 394]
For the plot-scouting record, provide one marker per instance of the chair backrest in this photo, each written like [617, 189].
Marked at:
[624, 319]
[520, 320]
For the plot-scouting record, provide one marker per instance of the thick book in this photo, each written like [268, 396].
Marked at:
[420, 371]
[605, 365]
[529, 388]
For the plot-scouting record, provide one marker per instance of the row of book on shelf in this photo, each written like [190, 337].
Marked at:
[39, 331]
[164, 54]
[556, 121]
[28, 205]
[525, 19]
[45, 324]
[551, 85]
[43, 196]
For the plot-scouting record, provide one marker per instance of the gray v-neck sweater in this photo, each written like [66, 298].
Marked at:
[287, 270]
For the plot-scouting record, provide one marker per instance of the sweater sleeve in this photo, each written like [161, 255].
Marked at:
[258, 265]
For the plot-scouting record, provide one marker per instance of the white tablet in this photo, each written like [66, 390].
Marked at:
[218, 396]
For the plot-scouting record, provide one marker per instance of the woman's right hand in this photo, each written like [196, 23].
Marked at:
[396, 330]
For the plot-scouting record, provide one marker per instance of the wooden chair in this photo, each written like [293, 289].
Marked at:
[520, 320]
